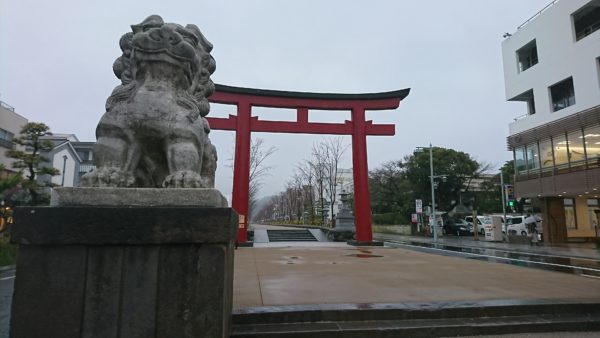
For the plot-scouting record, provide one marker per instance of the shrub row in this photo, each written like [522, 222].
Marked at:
[390, 218]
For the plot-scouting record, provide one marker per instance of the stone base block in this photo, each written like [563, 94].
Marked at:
[247, 244]
[137, 197]
[123, 272]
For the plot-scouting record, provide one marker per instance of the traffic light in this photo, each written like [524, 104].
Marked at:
[509, 191]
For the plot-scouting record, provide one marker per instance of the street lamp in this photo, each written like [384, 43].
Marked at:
[62, 183]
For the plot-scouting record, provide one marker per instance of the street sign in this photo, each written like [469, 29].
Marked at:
[415, 218]
[419, 206]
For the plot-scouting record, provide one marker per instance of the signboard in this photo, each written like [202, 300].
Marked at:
[419, 206]
[415, 218]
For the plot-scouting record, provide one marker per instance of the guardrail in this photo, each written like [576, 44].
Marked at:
[7, 106]
[538, 13]
[520, 117]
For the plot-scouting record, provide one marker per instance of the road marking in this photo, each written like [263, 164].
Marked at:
[502, 258]
[7, 278]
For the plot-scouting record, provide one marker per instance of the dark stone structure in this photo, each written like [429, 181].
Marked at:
[107, 271]
[105, 261]
[344, 222]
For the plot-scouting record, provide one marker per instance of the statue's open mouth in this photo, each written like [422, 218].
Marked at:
[164, 55]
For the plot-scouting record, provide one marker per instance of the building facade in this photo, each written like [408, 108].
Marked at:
[71, 157]
[552, 66]
[10, 127]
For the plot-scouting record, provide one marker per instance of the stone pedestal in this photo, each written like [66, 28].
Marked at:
[116, 270]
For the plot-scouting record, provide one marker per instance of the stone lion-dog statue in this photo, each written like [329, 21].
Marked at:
[154, 133]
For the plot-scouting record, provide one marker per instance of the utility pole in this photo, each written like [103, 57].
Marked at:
[435, 235]
[503, 199]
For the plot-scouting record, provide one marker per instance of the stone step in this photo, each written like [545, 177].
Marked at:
[290, 236]
[416, 319]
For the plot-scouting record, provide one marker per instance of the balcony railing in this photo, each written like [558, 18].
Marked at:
[537, 14]
[7, 106]
[520, 117]
[588, 30]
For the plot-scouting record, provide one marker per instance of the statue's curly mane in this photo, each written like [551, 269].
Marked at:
[193, 99]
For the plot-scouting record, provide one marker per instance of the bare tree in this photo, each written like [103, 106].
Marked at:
[334, 149]
[318, 164]
[258, 170]
[307, 173]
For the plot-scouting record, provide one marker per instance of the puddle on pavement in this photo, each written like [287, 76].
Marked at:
[363, 255]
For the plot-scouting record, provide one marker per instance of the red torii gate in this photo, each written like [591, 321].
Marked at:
[244, 123]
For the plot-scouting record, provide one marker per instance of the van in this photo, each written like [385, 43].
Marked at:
[516, 225]
[482, 221]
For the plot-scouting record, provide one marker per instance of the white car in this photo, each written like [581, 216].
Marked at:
[482, 221]
[517, 225]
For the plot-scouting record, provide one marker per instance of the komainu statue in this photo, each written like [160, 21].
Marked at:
[154, 133]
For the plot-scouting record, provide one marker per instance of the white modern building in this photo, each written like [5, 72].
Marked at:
[552, 65]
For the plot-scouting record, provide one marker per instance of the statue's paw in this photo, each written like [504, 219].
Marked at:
[107, 177]
[183, 179]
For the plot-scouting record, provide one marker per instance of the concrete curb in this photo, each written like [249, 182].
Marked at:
[7, 267]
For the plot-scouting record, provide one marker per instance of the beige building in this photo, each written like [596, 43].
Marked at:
[10, 126]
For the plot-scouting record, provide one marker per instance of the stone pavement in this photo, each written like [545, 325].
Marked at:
[276, 274]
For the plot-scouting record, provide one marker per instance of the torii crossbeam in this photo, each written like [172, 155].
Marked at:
[244, 124]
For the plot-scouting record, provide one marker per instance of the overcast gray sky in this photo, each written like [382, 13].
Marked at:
[56, 58]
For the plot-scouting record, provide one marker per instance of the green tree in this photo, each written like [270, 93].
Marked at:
[456, 167]
[390, 190]
[32, 162]
[8, 182]
[508, 170]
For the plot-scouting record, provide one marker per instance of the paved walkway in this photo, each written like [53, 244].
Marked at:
[275, 274]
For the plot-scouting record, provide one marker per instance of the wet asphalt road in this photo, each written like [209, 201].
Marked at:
[7, 279]
[586, 267]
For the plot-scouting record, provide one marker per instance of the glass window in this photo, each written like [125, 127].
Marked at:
[593, 211]
[562, 94]
[546, 154]
[514, 220]
[570, 217]
[560, 151]
[527, 56]
[587, 19]
[6, 139]
[520, 165]
[576, 151]
[6, 135]
[592, 143]
[533, 158]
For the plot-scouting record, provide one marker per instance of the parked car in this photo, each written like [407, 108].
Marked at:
[517, 225]
[482, 221]
[457, 227]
